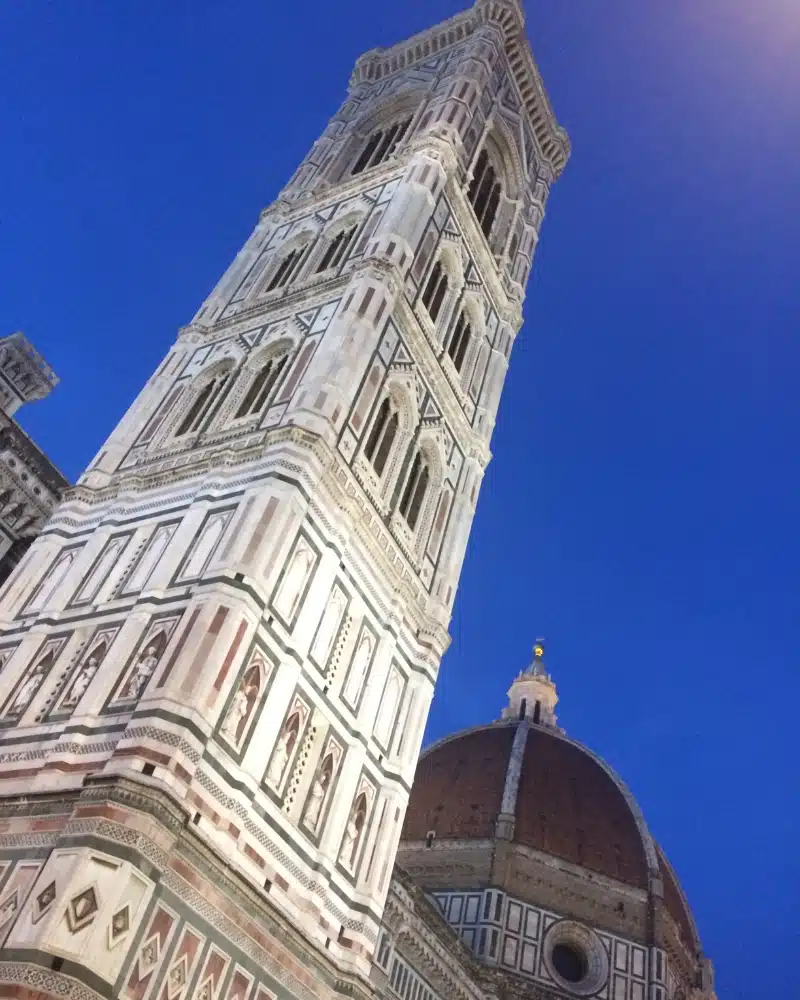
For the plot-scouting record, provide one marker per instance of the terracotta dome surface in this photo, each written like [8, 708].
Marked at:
[569, 804]
[458, 787]
[570, 807]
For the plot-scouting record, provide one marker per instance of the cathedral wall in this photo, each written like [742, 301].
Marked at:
[240, 611]
[115, 887]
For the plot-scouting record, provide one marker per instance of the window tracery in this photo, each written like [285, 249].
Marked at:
[202, 404]
[263, 386]
[484, 193]
[459, 341]
[435, 290]
[415, 489]
[336, 250]
[288, 268]
[382, 436]
[380, 145]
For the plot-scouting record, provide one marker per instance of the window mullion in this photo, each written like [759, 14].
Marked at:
[381, 151]
[410, 485]
[466, 334]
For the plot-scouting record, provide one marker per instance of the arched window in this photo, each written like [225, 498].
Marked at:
[202, 404]
[336, 250]
[262, 386]
[381, 437]
[523, 708]
[435, 290]
[380, 144]
[288, 268]
[537, 712]
[484, 193]
[459, 342]
[414, 493]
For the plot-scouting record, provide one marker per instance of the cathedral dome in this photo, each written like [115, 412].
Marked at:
[568, 803]
[520, 806]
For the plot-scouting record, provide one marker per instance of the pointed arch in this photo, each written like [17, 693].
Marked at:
[502, 146]
[420, 488]
[203, 398]
[380, 133]
[288, 260]
[337, 242]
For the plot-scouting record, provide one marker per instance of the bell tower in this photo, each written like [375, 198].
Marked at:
[217, 659]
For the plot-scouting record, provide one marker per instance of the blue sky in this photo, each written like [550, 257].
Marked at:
[641, 509]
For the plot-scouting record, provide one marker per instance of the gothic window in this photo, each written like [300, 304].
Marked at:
[380, 145]
[336, 250]
[201, 406]
[297, 574]
[389, 705]
[435, 290]
[142, 569]
[382, 436]
[329, 626]
[288, 268]
[51, 580]
[484, 193]
[102, 567]
[262, 386]
[459, 341]
[204, 545]
[416, 488]
[359, 667]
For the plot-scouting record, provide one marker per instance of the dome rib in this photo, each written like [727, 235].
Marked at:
[569, 802]
[677, 904]
[458, 787]
[573, 806]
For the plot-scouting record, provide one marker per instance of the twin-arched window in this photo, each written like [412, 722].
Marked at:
[381, 144]
[256, 398]
[459, 341]
[336, 250]
[288, 268]
[261, 387]
[435, 290]
[202, 404]
[292, 263]
[381, 438]
[415, 490]
[377, 449]
[484, 193]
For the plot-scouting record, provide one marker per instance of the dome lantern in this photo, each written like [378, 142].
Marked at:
[533, 694]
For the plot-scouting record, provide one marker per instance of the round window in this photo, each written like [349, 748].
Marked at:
[575, 958]
[569, 963]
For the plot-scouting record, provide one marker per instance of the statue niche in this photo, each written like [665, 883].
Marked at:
[286, 744]
[321, 788]
[145, 664]
[31, 683]
[235, 724]
[85, 674]
[354, 830]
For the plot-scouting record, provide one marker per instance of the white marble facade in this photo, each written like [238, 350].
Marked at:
[262, 559]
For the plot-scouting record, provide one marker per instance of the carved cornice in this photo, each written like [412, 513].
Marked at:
[506, 16]
[143, 797]
[17, 441]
